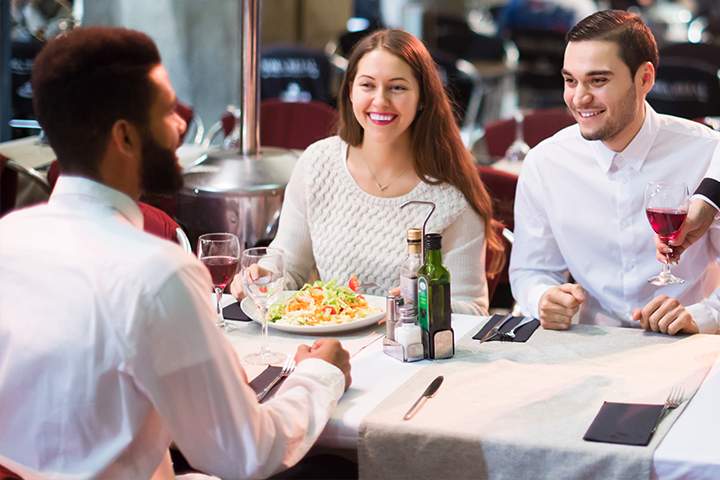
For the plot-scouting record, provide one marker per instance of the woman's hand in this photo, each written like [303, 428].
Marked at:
[236, 287]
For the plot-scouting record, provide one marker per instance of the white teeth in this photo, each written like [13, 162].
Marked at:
[589, 114]
[381, 118]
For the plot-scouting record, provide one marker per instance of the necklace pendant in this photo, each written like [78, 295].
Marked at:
[382, 188]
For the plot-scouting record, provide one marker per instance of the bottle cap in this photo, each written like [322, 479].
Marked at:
[433, 241]
[414, 235]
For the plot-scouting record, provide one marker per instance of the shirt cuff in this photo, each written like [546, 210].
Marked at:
[709, 190]
[534, 295]
[705, 317]
[324, 373]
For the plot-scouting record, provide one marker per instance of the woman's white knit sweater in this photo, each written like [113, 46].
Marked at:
[331, 226]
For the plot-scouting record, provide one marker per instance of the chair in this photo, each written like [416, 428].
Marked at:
[686, 83]
[501, 186]
[283, 124]
[537, 126]
[155, 221]
[20, 186]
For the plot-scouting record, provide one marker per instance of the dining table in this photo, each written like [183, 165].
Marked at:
[526, 402]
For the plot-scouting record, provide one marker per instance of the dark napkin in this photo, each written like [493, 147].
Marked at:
[522, 335]
[234, 312]
[624, 423]
[259, 383]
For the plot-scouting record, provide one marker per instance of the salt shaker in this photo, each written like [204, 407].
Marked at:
[408, 333]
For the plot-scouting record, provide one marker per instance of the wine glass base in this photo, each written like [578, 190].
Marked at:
[661, 280]
[265, 358]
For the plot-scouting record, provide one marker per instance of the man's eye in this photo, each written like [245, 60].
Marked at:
[569, 81]
[598, 81]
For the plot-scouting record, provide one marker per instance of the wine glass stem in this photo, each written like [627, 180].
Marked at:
[264, 348]
[220, 322]
[666, 267]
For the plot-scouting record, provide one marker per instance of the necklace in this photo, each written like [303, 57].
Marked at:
[379, 185]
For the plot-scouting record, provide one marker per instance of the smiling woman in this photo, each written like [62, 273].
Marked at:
[397, 141]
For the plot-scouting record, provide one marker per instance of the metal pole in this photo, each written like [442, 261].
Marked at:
[250, 88]
[5, 83]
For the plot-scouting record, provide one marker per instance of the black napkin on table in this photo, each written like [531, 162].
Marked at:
[234, 312]
[624, 423]
[522, 335]
[259, 383]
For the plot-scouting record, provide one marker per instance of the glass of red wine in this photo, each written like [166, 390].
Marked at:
[220, 253]
[262, 270]
[666, 206]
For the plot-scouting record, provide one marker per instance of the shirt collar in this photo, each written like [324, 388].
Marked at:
[71, 187]
[635, 154]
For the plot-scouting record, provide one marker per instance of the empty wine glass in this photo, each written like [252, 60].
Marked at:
[518, 149]
[220, 252]
[666, 206]
[263, 276]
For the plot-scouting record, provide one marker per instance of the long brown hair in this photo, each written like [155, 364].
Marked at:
[437, 149]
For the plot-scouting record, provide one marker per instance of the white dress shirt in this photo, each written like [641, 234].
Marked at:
[108, 351]
[579, 209]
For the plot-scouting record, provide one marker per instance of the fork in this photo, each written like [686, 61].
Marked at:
[287, 369]
[673, 400]
[510, 336]
[495, 331]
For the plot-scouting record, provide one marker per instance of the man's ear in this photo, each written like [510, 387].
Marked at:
[646, 74]
[125, 137]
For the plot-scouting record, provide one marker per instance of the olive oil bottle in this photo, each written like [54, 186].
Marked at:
[433, 304]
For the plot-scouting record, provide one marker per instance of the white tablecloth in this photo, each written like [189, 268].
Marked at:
[689, 450]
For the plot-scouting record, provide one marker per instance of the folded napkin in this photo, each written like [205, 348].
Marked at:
[259, 383]
[624, 423]
[234, 312]
[522, 335]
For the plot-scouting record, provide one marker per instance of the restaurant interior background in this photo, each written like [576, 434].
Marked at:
[500, 60]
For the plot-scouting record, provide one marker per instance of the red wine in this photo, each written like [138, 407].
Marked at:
[666, 221]
[222, 269]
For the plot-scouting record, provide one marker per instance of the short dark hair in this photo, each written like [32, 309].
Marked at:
[84, 82]
[635, 40]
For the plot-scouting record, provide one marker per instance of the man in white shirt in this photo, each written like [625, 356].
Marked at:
[108, 346]
[579, 205]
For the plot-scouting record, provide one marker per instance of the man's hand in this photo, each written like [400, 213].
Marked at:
[700, 217]
[331, 351]
[558, 305]
[665, 315]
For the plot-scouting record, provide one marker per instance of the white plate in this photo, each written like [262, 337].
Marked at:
[248, 306]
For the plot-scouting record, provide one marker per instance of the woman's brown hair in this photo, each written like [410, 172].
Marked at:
[438, 151]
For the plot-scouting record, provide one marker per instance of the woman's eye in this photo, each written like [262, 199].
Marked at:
[398, 88]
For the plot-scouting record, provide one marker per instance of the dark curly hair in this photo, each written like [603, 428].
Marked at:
[84, 82]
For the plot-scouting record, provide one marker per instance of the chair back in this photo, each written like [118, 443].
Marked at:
[295, 73]
[500, 279]
[541, 54]
[537, 126]
[462, 84]
[687, 85]
[20, 186]
[284, 124]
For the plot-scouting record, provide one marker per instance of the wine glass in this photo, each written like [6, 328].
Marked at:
[518, 149]
[220, 253]
[263, 276]
[666, 206]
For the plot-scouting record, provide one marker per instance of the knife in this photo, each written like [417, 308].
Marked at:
[429, 392]
[496, 329]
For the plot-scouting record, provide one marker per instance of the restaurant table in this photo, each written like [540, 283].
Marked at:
[689, 450]
[508, 166]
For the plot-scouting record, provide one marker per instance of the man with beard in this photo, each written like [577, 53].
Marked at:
[109, 347]
[579, 205]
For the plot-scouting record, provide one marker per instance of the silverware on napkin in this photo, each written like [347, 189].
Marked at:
[429, 392]
[287, 369]
[495, 331]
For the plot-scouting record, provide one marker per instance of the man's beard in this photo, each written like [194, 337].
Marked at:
[160, 170]
[617, 124]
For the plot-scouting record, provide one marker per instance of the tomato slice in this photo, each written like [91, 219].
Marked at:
[353, 283]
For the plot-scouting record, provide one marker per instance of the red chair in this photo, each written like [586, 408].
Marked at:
[6, 474]
[494, 281]
[501, 186]
[284, 124]
[195, 130]
[155, 221]
[537, 126]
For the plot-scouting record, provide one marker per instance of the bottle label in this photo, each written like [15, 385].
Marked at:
[422, 304]
[408, 289]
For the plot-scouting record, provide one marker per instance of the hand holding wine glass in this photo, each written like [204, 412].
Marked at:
[220, 253]
[263, 277]
[666, 206]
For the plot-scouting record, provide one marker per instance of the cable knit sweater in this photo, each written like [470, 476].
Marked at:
[329, 225]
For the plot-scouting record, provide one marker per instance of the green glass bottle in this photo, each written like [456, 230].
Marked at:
[434, 315]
